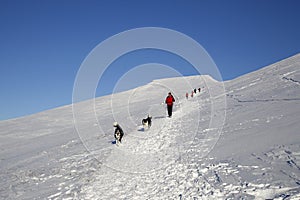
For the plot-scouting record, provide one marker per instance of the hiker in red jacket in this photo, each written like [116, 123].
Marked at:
[169, 101]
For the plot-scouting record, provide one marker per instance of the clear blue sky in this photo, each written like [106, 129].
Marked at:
[44, 42]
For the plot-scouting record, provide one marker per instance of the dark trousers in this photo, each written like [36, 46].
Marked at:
[170, 107]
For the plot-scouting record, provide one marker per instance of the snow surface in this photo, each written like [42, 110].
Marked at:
[253, 154]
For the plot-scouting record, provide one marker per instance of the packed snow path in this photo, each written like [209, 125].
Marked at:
[154, 164]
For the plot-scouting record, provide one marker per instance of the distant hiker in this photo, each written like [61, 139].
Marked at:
[195, 91]
[118, 133]
[169, 101]
[187, 95]
[192, 95]
[199, 89]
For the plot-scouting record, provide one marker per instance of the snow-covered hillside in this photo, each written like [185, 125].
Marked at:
[235, 140]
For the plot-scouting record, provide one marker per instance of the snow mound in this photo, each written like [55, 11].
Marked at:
[253, 154]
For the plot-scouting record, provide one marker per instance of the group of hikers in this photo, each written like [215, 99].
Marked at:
[192, 93]
[169, 101]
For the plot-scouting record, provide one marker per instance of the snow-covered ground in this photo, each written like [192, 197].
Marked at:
[253, 154]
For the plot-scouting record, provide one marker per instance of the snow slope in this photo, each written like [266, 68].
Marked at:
[253, 154]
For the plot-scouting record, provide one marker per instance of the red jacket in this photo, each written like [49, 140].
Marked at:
[170, 100]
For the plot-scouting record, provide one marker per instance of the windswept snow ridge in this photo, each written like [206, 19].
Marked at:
[253, 154]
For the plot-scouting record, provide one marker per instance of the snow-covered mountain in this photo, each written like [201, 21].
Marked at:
[237, 139]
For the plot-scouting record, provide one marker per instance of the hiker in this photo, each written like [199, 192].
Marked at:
[169, 101]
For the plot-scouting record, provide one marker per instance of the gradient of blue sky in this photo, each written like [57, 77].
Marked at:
[43, 42]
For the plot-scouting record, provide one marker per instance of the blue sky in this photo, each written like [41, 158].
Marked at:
[43, 42]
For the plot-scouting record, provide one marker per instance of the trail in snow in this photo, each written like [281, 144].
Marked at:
[146, 151]
[152, 165]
